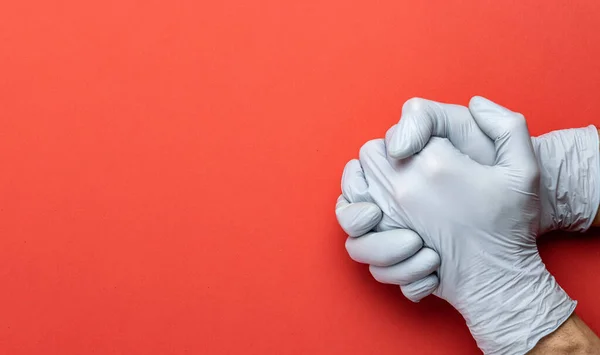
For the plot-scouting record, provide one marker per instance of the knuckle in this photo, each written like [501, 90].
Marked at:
[517, 121]
[370, 148]
[431, 259]
[414, 104]
[433, 160]
[354, 185]
[433, 166]
[350, 167]
[346, 173]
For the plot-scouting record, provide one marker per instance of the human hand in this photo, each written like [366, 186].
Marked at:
[568, 192]
[569, 159]
[483, 221]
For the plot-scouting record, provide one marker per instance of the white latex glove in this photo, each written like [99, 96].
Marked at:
[483, 221]
[417, 278]
[569, 159]
[569, 191]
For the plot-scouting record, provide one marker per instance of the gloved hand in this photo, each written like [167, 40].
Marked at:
[569, 180]
[483, 221]
[388, 247]
[569, 159]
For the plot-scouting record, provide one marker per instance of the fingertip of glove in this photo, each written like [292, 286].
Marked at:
[399, 147]
[398, 150]
[420, 289]
[478, 101]
[398, 153]
[358, 218]
[366, 218]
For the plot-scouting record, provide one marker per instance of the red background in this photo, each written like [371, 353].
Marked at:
[168, 169]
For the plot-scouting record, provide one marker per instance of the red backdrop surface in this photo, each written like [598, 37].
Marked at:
[168, 169]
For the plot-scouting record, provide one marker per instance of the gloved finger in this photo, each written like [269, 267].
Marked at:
[423, 263]
[416, 291]
[421, 119]
[384, 248]
[377, 169]
[373, 160]
[389, 134]
[385, 223]
[354, 184]
[358, 218]
[509, 131]
[388, 137]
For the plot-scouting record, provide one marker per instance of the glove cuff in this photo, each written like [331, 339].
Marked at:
[514, 318]
[569, 163]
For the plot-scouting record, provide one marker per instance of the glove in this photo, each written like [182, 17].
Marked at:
[483, 221]
[569, 159]
[389, 247]
[569, 178]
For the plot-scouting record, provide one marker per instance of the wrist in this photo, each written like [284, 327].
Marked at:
[570, 178]
[522, 310]
[572, 337]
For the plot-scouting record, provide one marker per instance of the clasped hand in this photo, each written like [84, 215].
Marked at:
[478, 223]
